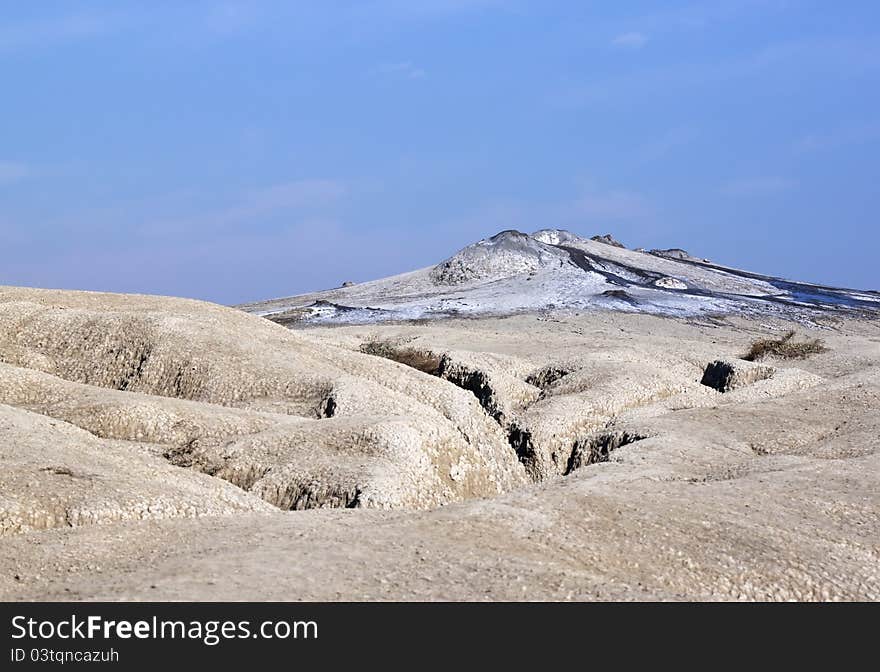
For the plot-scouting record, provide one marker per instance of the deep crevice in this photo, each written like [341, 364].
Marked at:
[594, 449]
[547, 375]
[327, 408]
[304, 496]
[425, 361]
[520, 439]
[598, 448]
[474, 381]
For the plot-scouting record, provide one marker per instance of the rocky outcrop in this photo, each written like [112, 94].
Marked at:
[556, 236]
[725, 375]
[670, 283]
[608, 239]
[672, 253]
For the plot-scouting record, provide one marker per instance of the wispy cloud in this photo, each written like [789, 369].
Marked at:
[667, 143]
[296, 200]
[841, 137]
[11, 171]
[758, 186]
[428, 9]
[822, 57]
[589, 205]
[594, 203]
[231, 17]
[401, 70]
[297, 194]
[701, 15]
[51, 32]
[192, 21]
[600, 205]
[630, 40]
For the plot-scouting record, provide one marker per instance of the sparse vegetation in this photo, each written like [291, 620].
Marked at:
[785, 347]
[423, 360]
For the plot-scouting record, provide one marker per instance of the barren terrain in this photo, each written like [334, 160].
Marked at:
[167, 449]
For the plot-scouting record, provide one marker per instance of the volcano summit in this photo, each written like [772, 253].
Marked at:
[556, 270]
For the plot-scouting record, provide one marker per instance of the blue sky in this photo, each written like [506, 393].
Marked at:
[233, 151]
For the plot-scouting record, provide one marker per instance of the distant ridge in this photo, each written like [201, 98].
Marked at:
[554, 269]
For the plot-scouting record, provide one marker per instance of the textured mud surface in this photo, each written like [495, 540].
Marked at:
[168, 449]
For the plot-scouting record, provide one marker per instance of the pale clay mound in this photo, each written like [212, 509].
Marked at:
[503, 255]
[154, 447]
[237, 397]
[557, 271]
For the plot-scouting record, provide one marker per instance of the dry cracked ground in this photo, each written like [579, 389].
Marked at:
[166, 449]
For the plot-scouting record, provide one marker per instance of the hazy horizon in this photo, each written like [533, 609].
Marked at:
[232, 152]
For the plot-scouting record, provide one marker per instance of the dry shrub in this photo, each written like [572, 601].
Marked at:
[423, 360]
[784, 348]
